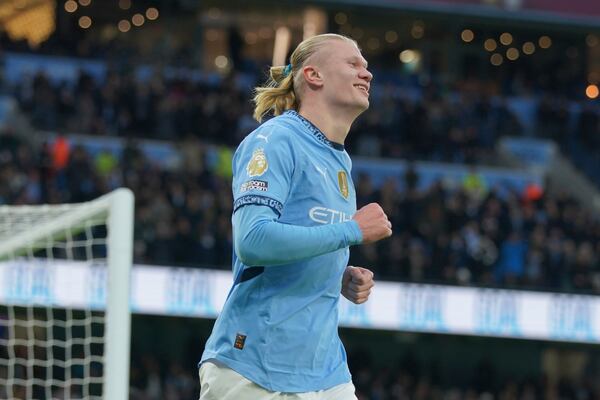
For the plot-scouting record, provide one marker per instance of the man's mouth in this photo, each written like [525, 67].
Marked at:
[364, 88]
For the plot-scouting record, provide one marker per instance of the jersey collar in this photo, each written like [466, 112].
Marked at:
[320, 136]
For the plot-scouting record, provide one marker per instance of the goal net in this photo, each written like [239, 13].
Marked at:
[64, 299]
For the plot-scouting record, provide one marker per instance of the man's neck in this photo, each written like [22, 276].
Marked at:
[335, 126]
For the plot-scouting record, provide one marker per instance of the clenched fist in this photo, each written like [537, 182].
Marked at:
[373, 223]
[357, 283]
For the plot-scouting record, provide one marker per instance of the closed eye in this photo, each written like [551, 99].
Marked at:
[358, 64]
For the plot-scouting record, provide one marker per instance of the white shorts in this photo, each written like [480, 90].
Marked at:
[218, 382]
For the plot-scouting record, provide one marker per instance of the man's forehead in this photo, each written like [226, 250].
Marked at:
[347, 49]
[336, 50]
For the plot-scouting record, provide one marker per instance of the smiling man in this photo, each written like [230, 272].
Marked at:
[294, 220]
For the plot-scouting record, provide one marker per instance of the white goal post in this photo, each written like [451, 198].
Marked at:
[56, 345]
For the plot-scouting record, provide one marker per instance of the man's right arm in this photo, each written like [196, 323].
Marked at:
[260, 240]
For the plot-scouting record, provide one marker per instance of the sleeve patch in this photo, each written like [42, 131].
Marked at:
[258, 164]
[258, 200]
[261, 186]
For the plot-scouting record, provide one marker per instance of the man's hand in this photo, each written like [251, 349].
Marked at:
[356, 284]
[373, 223]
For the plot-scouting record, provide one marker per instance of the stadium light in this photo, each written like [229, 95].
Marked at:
[152, 13]
[373, 43]
[124, 25]
[71, 6]
[418, 29]
[490, 45]
[506, 38]
[391, 37]
[340, 18]
[138, 19]
[528, 48]
[512, 54]
[496, 59]
[409, 56]
[467, 36]
[221, 62]
[545, 42]
[592, 92]
[591, 40]
[85, 22]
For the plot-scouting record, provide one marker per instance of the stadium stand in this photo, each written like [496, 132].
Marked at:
[94, 128]
[465, 236]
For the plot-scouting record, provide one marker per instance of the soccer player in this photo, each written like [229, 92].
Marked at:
[294, 219]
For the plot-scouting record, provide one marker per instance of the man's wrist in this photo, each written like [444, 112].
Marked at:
[354, 233]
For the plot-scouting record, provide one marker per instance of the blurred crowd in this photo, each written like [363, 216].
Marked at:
[404, 383]
[473, 236]
[151, 380]
[458, 125]
[181, 217]
[467, 235]
[405, 380]
[124, 106]
[431, 126]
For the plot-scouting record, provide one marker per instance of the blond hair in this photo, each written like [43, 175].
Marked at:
[281, 91]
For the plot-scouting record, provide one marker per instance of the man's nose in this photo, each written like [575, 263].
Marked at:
[366, 74]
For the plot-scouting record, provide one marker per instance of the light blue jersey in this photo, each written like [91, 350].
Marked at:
[293, 205]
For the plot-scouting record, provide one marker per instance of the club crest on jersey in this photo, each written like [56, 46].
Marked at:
[343, 183]
[258, 164]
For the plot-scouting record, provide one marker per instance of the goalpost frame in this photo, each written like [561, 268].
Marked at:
[119, 205]
[118, 308]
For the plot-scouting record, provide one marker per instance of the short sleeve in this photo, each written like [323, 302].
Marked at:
[263, 167]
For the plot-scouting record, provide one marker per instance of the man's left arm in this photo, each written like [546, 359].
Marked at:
[357, 283]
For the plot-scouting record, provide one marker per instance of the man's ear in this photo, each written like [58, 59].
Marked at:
[312, 76]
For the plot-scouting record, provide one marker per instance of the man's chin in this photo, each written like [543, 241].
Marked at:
[364, 105]
[357, 107]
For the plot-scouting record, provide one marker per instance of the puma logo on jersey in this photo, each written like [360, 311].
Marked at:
[323, 171]
[264, 137]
